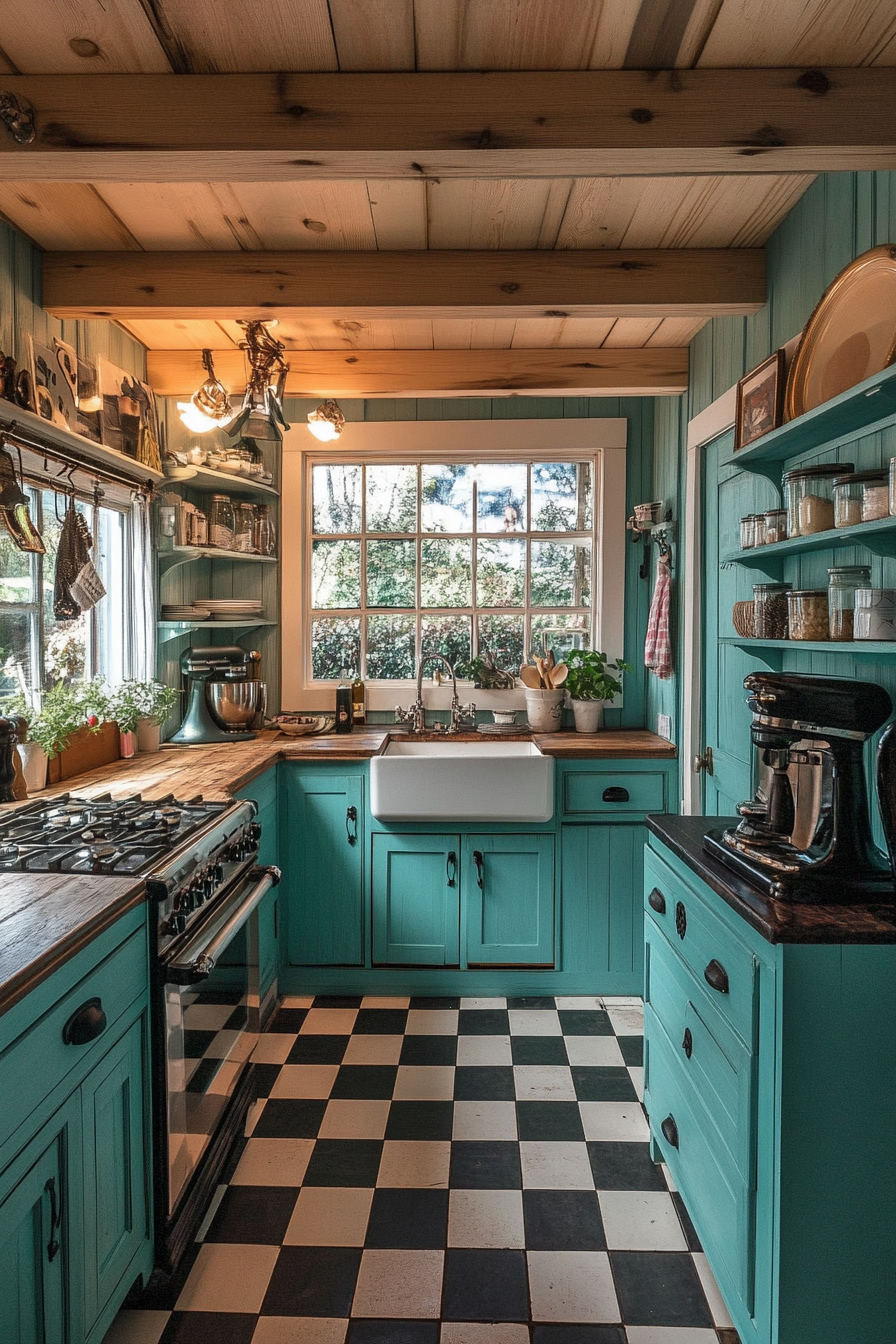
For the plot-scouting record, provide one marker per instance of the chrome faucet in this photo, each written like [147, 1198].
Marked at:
[416, 715]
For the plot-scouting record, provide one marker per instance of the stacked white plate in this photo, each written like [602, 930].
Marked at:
[185, 613]
[232, 609]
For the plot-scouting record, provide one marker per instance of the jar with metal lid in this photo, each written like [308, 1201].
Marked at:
[774, 525]
[265, 532]
[842, 584]
[893, 486]
[807, 613]
[875, 614]
[770, 610]
[747, 532]
[221, 523]
[809, 497]
[244, 526]
[861, 497]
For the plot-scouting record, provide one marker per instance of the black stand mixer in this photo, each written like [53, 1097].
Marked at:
[207, 667]
[806, 835]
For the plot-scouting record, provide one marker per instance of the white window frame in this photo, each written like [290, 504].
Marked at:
[447, 440]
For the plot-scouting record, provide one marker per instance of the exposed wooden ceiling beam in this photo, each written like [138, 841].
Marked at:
[647, 282]
[439, 373]
[501, 124]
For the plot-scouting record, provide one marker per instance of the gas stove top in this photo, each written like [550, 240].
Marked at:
[100, 835]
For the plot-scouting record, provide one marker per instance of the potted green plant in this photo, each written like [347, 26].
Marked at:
[59, 733]
[140, 708]
[592, 682]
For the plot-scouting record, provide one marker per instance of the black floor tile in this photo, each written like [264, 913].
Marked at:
[393, 1332]
[264, 1076]
[352, 1162]
[287, 1119]
[233, 1161]
[563, 1220]
[380, 1022]
[312, 1281]
[288, 1019]
[314, 1049]
[485, 1286]
[365, 1082]
[538, 1050]
[258, 1214]
[602, 1084]
[659, 1288]
[429, 1050]
[687, 1227]
[727, 1336]
[204, 1074]
[557, 1120]
[485, 1165]
[585, 1022]
[578, 1334]
[412, 1120]
[408, 1220]
[197, 1042]
[632, 1048]
[624, 1166]
[483, 1022]
[532, 1001]
[430, 1001]
[488, 1083]
[237, 1019]
[198, 1327]
[337, 1001]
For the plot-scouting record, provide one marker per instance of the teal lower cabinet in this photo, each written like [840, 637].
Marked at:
[507, 886]
[75, 1150]
[601, 903]
[323, 859]
[770, 1083]
[416, 910]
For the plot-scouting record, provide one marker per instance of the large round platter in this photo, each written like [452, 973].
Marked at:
[303, 725]
[850, 336]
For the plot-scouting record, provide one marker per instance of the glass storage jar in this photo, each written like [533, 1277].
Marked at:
[770, 610]
[875, 614]
[748, 532]
[847, 500]
[809, 497]
[265, 532]
[875, 496]
[807, 613]
[221, 523]
[842, 585]
[775, 525]
[893, 486]
[244, 526]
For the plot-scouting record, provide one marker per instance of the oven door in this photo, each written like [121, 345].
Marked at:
[211, 1023]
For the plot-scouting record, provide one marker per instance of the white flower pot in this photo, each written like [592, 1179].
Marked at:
[589, 715]
[34, 766]
[128, 744]
[544, 709]
[149, 735]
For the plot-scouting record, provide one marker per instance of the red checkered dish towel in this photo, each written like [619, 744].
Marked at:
[658, 644]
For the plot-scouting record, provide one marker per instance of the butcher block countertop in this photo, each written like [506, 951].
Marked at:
[46, 917]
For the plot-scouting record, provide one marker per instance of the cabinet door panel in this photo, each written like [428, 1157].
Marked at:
[602, 903]
[509, 899]
[415, 900]
[323, 848]
[115, 1168]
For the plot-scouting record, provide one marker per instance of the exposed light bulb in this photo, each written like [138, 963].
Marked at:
[327, 422]
[197, 421]
[323, 430]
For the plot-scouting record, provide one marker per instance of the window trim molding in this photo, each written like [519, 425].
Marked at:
[418, 439]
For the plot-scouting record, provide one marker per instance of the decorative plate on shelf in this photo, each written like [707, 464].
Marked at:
[850, 336]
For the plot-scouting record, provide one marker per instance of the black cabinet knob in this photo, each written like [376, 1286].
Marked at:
[687, 1043]
[615, 794]
[657, 901]
[670, 1131]
[681, 919]
[84, 1025]
[716, 977]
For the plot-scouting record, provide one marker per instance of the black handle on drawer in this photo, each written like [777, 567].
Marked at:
[687, 1043]
[351, 824]
[85, 1024]
[657, 901]
[451, 867]
[479, 862]
[55, 1218]
[716, 977]
[615, 794]
[670, 1131]
[681, 919]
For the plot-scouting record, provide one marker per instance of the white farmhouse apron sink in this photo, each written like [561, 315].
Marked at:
[462, 781]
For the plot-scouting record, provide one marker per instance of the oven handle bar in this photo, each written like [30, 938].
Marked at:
[201, 963]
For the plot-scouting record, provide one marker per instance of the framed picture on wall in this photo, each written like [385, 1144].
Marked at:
[760, 401]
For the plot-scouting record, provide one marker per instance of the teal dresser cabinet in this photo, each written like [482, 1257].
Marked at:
[488, 908]
[770, 1083]
[75, 1156]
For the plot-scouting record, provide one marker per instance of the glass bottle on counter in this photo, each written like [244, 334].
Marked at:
[221, 523]
[842, 584]
[359, 708]
[265, 532]
[343, 708]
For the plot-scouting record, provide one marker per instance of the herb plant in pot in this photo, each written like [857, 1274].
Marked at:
[592, 682]
[140, 708]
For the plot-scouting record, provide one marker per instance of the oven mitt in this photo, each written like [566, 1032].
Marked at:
[87, 588]
[72, 556]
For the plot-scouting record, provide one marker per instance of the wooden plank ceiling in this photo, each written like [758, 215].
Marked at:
[480, 213]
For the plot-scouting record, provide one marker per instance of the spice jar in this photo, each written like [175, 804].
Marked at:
[775, 525]
[748, 532]
[770, 610]
[842, 585]
[875, 613]
[807, 611]
[221, 523]
[809, 497]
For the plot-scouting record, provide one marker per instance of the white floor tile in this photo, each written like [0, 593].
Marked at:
[667, 1334]
[483, 1003]
[477, 1332]
[299, 1330]
[228, 1278]
[424, 1082]
[373, 1050]
[328, 1022]
[579, 1003]
[543, 1082]
[325, 1216]
[600, 1052]
[352, 1119]
[304, 1081]
[622, 1001]
[627, 1020]
[432, 1022]
[484, 1120]
[491, 1219]
[636, 1073]
[206, 1016]
[473, 1051]
[273, 1047]
[718, 1310]
[137, 1327]
[273, 1162]
[572, 1286]
[669, 1178]
[555, 1166]
[640, 1220]
[297, 1001]
[423, 1163]
[534, 1022]
[619, 1121]
[399, 1284]
[252, 1115]
[397, 1001]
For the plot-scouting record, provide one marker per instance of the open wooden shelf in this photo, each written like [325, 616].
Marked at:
[879, 537]
[876, 650]
[174, 629]
[204, 478]
[185, 555]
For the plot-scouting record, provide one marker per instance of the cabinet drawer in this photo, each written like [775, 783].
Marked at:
[38, 1060]
[715, 1068]
[722, 965]
[720, 1203]
[585, 792]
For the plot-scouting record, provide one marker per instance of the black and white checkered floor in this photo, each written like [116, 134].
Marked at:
[444, 1171]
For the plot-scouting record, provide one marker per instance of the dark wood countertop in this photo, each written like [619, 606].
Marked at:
[776, 921]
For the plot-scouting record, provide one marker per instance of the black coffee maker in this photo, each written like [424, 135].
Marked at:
[806, 834]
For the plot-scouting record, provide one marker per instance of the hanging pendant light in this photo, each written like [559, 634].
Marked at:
[261, 415]
[327, 422]
[209, 407]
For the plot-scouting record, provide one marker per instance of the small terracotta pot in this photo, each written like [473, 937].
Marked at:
[128, 744]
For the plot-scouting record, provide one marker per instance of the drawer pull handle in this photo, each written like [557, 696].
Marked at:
[716, 977]
[479, 862]
[451, 867]
[681, 919]
[657, 901]
[55, 1218]
[85, 1024]
[687, 1043]
[615, 794]
[351, 824]
[670, 1131]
